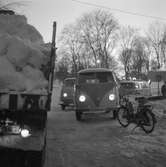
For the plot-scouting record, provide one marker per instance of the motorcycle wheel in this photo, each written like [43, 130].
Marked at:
[122, 116]
[149, 121]
[78, 115]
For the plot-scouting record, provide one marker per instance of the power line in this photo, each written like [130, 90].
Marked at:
[119, 10]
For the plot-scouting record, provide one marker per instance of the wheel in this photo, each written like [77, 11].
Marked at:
[122, 116]
[78, 115]
[149, 121]
[114, 114]
[63, 107]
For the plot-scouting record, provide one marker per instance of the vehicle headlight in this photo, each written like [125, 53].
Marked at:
[82, 98]
[25, 133]
[111, 97]
[64, 94]
[136, 86]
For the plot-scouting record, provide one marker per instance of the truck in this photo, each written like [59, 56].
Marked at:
[23, 128]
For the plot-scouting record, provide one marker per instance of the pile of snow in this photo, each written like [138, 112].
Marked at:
[17, 25]
[22, 56]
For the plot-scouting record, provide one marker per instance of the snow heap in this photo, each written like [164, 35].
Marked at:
[22, 56]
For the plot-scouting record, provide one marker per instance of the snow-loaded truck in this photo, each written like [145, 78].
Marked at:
[23, 128]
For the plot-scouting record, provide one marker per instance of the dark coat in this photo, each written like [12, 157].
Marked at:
[163, 90]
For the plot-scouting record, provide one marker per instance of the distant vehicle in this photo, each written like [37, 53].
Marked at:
[127, 87]
[67, 93]
[144, 88]
[130, 87]
[157, 79]
[96, 90]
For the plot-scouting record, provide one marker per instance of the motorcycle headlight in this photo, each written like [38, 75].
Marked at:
[64, 94]
[111, 97]
[82, 98]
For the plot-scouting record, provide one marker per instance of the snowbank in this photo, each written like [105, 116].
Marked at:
[22, 56]
[17, 25]
[159, 108]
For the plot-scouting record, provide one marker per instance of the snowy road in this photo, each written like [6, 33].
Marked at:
[101, 142]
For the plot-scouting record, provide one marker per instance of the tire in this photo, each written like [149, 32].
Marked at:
[149, 121]
[78, 115]
[114, 114]
[122, 116]
[63, 107]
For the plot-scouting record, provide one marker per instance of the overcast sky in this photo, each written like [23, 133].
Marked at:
[42, 13]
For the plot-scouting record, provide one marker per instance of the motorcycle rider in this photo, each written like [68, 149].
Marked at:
[163, 89]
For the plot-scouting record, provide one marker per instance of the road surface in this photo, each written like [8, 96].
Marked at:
[100, 141]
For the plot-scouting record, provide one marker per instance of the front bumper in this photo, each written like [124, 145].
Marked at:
[102, 106]
[96, 110]
[67, 102]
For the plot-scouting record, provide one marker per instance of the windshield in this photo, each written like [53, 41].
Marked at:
[128, 85]
[69, 82]
[95, 77]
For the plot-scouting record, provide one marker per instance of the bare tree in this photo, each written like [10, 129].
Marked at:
[148, 51]
[62, 68]
[98, 32]
[70, 44]
[93, 37]
[163, 47]
[154, 65]
[155, 35]
[125, 58]
[140, 57]
[126, 39]
[127, 36]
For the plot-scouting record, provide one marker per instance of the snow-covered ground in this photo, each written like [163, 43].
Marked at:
[99, 141]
